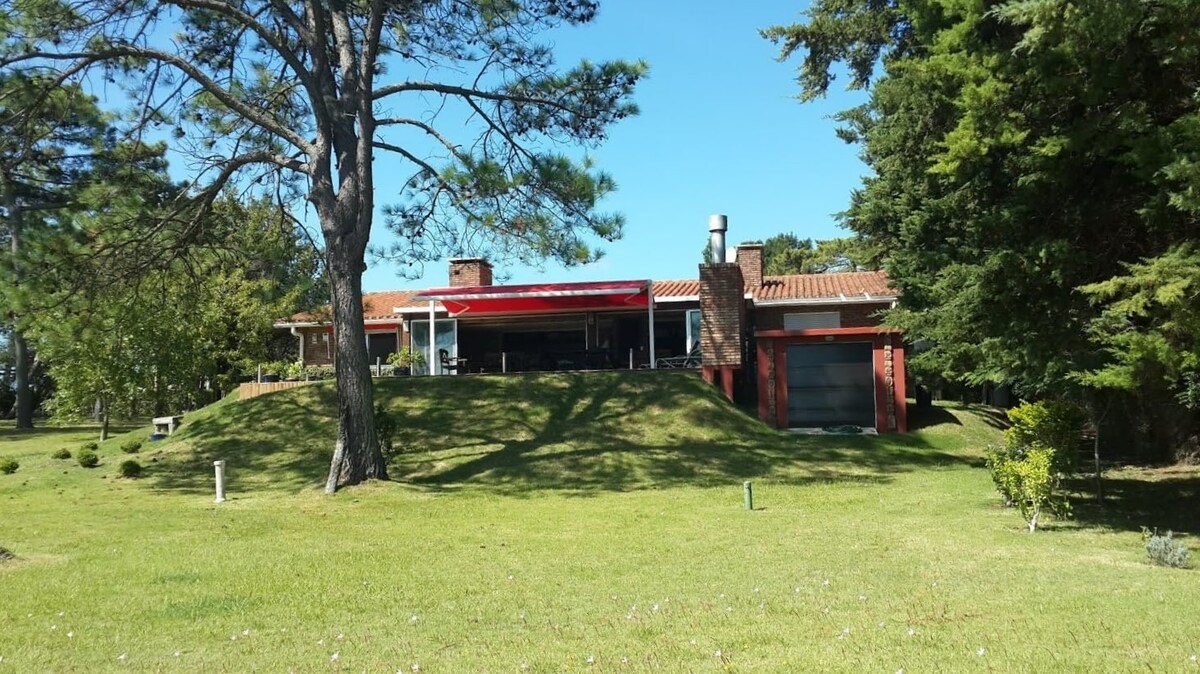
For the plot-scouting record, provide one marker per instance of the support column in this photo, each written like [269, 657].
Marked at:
[432, 333]
[650, 305]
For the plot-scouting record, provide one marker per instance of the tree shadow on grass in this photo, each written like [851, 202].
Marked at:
[1136, 499]
[10, 434]
[602, 432]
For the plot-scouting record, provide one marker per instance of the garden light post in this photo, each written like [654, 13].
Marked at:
[219, 468]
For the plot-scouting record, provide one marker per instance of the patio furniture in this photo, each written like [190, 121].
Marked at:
[451, 364]
[692, 359]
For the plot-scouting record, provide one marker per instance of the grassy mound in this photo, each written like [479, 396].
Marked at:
[611, 431]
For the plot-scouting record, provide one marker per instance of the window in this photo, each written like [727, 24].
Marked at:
[812, 320]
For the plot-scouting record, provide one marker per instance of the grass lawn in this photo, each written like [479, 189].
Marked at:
[575, 523]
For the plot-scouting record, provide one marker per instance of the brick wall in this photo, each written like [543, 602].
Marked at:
[317, 352]
[853, 315]
[750, 260]
[473, 271]
[722, 314]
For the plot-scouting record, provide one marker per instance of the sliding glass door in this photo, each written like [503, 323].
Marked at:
[445, 336]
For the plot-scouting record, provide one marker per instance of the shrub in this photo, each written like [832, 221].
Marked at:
[1048, 424]
[1165, 550]
[6, 554]
[131, 469]
[1038, 448]
[90, 445]
[9, 466]
[87, 457]
[131, 446]
[61, 453]
[315, 372]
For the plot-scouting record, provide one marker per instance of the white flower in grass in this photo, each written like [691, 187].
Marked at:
[1193, 658]
[122, 657]
[61, 613]
[341, 637]
[53, 627]
[900, 671]
[825, 582]
[337, 655]
[71, 634]
[176, 654]
[416, 667]
[862, 597]
[882, 624]
[524, 666]
[911, 631]
[693, 642]
[981, 651]
[654, 608]
[717, 654]
[413, 619]
[797, 589]
[729, 609]
[624, 660]
[757, 589]
[510, 577]
[320, 642]
[246, 632]
[233, 637]
[825, 610]
[591, 659]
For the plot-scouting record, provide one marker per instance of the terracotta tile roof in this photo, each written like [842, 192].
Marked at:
[380, 305]
[851, 285]
[679, 288]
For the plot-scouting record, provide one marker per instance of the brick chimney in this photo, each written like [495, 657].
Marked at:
[750, 259]
[722, 314]
[470, 271]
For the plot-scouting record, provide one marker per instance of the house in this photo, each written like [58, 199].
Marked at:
[808, 347]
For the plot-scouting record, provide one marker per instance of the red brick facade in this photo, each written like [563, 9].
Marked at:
[750, 259]
[722, 314]
[465, 272]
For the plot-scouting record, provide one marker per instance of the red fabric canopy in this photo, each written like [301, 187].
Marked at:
[541, 297]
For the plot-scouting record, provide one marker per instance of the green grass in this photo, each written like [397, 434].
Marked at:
[543, 520]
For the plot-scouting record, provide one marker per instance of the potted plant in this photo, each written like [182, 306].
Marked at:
[403, 360]
[292, 371]
[272, 370]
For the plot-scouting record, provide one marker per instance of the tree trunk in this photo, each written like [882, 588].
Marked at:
[24, 366]
[104, 425]
[357, 456]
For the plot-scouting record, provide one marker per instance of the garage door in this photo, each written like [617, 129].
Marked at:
[830, 385]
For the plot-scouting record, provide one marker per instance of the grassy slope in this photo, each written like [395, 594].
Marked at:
[546, 519]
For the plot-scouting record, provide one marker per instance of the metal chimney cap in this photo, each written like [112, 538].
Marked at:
[718, 223]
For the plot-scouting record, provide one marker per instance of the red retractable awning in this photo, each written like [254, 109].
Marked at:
[541, 297]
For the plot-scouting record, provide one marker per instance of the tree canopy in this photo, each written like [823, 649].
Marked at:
[297, 99]
[1019, 152]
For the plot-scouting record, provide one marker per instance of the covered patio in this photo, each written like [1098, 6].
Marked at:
[545, 327]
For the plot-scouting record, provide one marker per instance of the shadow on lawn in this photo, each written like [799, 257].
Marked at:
[578, 432]
[595, 432]
[1133, 500]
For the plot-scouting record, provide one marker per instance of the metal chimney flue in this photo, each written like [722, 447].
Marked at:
[717, 226]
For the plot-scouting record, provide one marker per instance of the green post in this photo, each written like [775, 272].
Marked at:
[748, 495]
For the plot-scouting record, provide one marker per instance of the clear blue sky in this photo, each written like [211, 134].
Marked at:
[720, 131]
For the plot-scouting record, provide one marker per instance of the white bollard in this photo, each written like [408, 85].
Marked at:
[219, 466]
[504, 362]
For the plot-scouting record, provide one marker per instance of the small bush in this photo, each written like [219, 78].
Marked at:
[9, 466]
[1165, 550]
[87, 457]
[90, 445]
[131, 446]
[6, 554]
[131, 469]
[61, 453]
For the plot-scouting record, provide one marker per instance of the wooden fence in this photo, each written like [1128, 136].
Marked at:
[251, 390]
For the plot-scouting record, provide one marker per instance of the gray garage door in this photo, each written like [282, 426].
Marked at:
[830, 385]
